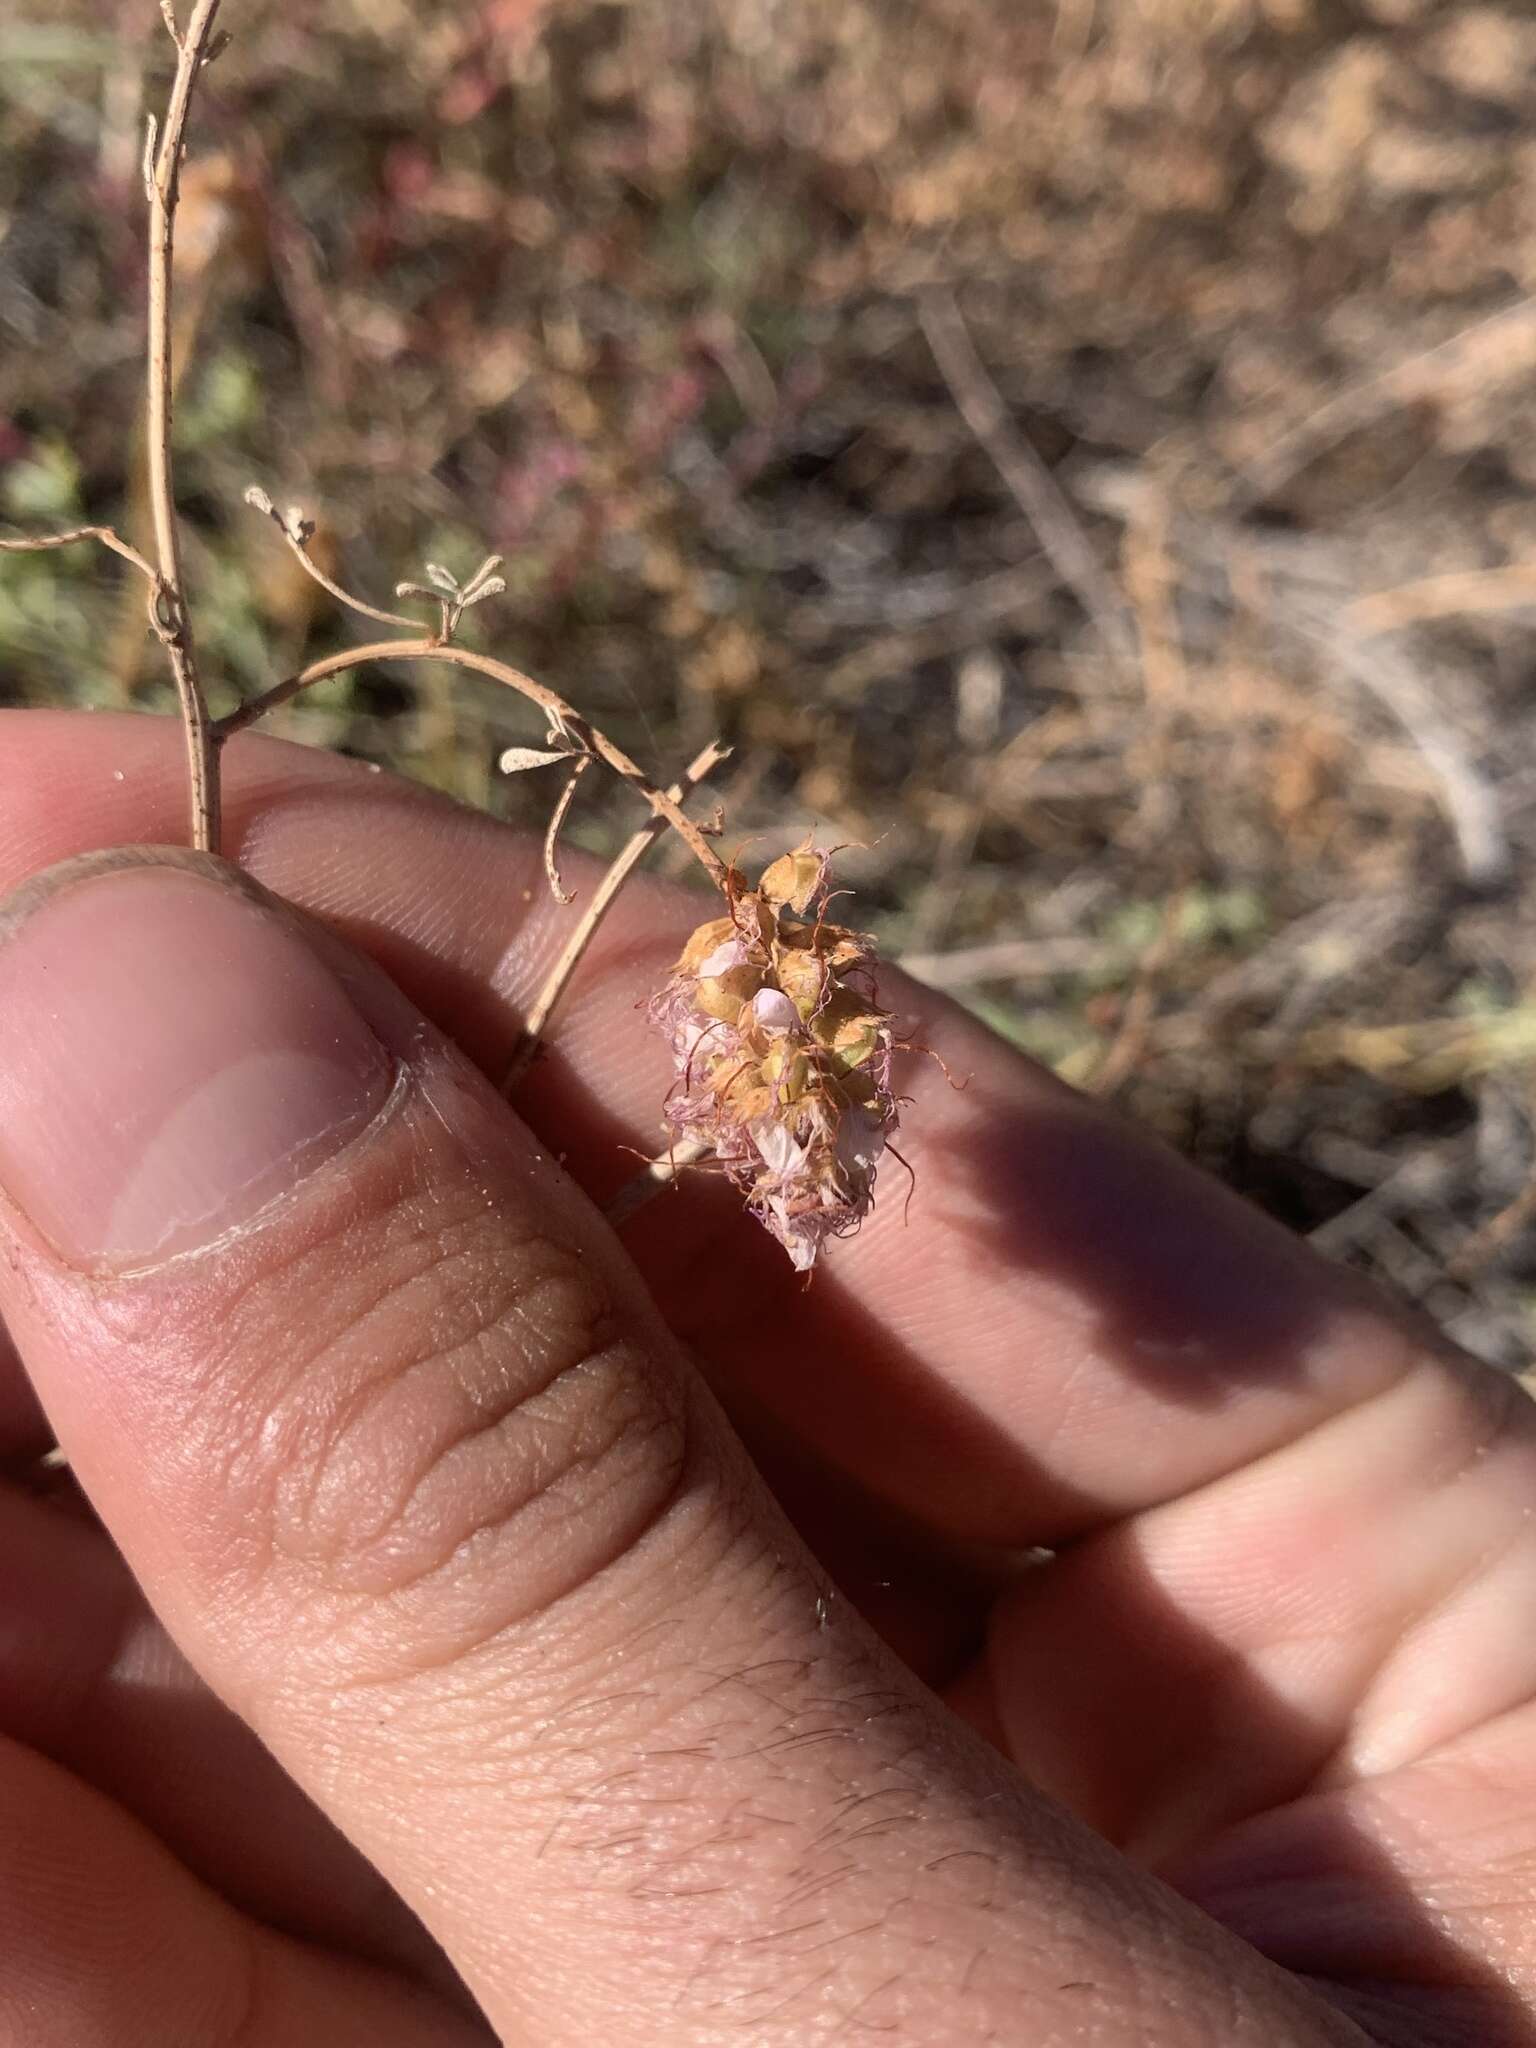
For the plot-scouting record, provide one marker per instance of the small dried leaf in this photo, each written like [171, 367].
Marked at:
[515, 759]
[440, 578]
[258, 500]
[476, 584]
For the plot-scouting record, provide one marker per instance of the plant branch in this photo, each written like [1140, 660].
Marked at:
[169, 614]
[34, 544]
[556, 819]
[601, 901]
[561, 716]
[656, 1174]
[1040, 498]
[296, 531]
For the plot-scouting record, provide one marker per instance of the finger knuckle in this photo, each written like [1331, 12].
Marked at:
[469, 1431]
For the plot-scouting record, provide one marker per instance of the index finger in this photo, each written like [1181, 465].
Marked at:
[1067, 1323]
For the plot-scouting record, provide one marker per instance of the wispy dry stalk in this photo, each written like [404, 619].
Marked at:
[557, 818]
[599, 903]
[170, 614]
[1040, 498]
[36, 544]
[1461, 594]
[562, 716]
[656, 1174]
[1465, 356]
[297, 531]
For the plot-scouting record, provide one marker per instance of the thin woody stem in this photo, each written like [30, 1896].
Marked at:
[34, 544]
[298, 547]
[562, 716]
[356, 604]
[168, 609]
[598, 906]
[556, 819]
[656, 1174]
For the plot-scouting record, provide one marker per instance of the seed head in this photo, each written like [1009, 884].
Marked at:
[783, 1055]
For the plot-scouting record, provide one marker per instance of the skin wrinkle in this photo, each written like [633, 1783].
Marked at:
[485, 1632]
[316, 1254]
[480, 1678]
[323, 1524]
[285, 1432]
[248, 2027]
[1453, 1449]
[569, 1474]
[1349, 1762]
[1476, 1428]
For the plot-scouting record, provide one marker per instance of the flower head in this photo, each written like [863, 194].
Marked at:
[783, 1055]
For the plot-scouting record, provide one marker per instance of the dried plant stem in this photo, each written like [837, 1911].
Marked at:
[296, 532]
[598, 906]
[356, 604]
[656, 1174]
[34, 544]
[562, 717]
[552, 831]
[169, 613]
[1469, 591]
[1489, 344]
[1040, 498]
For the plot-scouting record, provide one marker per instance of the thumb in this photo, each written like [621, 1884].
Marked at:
[380, 1416]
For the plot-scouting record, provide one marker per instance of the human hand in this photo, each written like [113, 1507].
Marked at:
[432, 1499]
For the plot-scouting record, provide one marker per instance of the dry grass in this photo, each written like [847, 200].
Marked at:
[1230, 810]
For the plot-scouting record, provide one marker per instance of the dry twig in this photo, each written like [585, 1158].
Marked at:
[1466, 353]
[169, 618]
[557, 818]
[562, 716]
[1510, 588]
[598, 906]
[168, 611]
[656, 1174]
[297, 532]
[1040, 498]
[34, 544]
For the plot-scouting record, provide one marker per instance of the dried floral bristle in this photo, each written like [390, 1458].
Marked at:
[783, 1054]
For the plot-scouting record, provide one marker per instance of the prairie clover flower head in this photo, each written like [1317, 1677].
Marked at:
[783, 1055]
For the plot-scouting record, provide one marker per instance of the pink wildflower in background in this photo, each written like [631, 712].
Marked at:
[783, 1055]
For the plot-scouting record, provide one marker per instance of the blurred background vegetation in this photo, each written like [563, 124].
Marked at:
[1085, 449]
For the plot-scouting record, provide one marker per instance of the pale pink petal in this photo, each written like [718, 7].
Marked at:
[773, 1009]
[779, 1151]
[860, 1140]
[728, 954]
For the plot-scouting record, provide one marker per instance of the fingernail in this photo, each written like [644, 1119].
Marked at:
[172, 1057]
